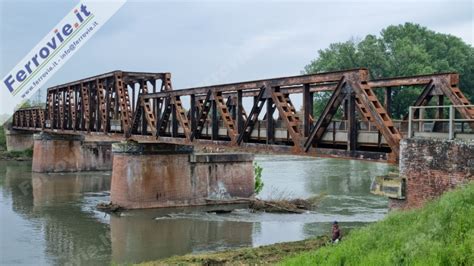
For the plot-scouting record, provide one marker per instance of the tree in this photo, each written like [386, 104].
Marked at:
[402, 50]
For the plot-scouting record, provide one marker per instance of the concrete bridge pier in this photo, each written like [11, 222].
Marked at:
[171, 175]
[69, 153]
[18, 140]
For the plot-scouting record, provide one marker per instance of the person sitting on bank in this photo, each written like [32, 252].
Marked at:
[336, 232]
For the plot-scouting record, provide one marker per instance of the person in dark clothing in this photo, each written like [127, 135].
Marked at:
[336, 232]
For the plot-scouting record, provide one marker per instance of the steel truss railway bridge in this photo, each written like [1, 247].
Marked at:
[252, 115]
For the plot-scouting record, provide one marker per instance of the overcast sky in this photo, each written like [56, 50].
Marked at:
[210, 42]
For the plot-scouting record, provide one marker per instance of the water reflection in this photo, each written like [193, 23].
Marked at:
[51, 189]
[52, 207]
[143, 236]
[51, 218]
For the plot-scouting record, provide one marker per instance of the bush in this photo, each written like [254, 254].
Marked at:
[258, 178]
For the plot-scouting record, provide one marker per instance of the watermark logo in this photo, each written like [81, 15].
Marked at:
[54, 50]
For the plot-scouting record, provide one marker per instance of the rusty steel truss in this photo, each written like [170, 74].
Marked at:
[144, 107]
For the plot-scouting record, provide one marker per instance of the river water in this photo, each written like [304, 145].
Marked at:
[50, 219]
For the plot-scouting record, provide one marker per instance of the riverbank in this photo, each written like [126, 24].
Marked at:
[441, 233]
[247, 256]
[26, 155]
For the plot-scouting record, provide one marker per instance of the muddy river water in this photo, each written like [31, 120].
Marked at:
[50, 219]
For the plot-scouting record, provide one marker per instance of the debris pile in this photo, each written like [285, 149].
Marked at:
[109, 207]
[285, 205]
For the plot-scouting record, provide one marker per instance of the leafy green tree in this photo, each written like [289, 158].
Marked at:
[401, 50]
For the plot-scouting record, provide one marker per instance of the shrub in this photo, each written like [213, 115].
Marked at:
[258, 178]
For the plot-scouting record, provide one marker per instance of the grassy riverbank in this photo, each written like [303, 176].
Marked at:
[17, 155]
[270, 254]
[441, 233]
[12, 155]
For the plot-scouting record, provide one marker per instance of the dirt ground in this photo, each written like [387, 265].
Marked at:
[261, 255]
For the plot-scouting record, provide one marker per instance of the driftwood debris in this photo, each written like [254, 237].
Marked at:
[109, 207]
[275, 206]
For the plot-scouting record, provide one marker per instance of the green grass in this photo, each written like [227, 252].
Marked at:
[441, 233]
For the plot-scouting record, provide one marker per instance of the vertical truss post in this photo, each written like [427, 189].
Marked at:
[74, 107]
[410, 121]
[61, 110]
[102, 106]
[66, 108]
[352, 123]
[27, 118]
[215, 121]
[97, 109]
[49, 109]
[307, 109]
[134, 103]
[174, 121]
[141, 103]
[270, 122]
[42, 119]
[153, 101]
[85, 106]
[451, 122]
[240, 120]
[192, 113]
[56, 109]
[91, 106]
[108, 103]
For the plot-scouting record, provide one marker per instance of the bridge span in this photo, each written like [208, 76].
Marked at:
[254, 116]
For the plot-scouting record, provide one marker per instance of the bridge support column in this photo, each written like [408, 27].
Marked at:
[170, 175]
[18, 140]
[69, 153]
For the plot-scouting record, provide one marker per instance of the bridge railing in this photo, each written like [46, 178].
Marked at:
[432, 121]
